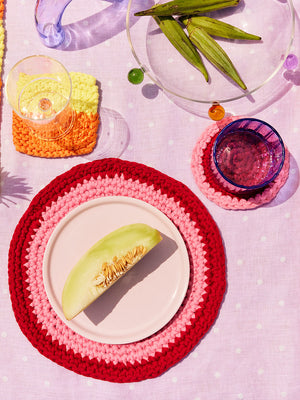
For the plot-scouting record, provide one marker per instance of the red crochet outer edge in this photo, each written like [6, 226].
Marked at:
[204, 317]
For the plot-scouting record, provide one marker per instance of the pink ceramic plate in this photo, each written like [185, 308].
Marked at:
[142, 301]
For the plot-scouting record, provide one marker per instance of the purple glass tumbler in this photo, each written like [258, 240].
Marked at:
[248, 153]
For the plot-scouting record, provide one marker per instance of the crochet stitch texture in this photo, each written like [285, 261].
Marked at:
[83, 135]
[140, 360]
[217, 189]
[2, 38]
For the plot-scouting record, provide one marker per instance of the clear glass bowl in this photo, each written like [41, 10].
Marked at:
[257, 62]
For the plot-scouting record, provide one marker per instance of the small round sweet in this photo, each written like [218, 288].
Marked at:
[136, 76]
[291, 62]
[216, 112]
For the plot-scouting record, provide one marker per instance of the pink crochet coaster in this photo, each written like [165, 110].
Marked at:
[142, 359]
[216, 188]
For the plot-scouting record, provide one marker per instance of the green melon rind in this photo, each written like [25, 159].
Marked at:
[79, 289]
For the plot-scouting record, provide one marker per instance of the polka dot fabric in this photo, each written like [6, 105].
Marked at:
[217, 189]
[140, 360]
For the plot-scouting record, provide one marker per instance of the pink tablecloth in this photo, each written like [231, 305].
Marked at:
[251, 352]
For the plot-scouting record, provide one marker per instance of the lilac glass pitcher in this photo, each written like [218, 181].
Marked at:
[48, 17]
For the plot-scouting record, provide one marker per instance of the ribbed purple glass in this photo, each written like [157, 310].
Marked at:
[249, 153]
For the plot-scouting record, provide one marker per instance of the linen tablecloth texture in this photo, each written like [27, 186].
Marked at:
[252, 350]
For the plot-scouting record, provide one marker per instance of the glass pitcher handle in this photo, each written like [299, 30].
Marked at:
[48, 15]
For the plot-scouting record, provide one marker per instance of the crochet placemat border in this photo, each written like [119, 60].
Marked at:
[199, 219]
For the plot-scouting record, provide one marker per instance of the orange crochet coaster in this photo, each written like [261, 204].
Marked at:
[83, 136]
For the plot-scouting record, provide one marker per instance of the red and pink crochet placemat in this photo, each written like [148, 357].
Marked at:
[140, 360]
[216, 188]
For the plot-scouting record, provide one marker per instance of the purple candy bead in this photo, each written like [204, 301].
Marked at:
[291, 62]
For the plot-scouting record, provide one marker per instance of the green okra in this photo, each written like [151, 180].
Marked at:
[187, 7]
[214, 53]
[219, 28]
[178, 38]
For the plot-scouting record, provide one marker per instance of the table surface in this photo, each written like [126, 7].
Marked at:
[251, 352]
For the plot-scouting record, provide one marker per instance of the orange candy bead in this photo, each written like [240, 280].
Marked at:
[216, 112]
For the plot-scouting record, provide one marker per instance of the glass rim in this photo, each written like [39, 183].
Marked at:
[68, 99]
[223, 101]
[259, 186]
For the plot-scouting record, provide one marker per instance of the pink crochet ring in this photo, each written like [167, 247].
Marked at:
[155, 354]
[217, 189]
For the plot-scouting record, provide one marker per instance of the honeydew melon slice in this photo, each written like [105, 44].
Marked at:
[104, 263]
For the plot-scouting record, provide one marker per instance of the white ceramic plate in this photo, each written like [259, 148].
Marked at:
[142, 301]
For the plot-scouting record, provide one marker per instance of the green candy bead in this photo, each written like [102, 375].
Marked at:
[135, 76]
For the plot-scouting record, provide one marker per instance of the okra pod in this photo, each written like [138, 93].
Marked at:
[214, 53]
[178, 38]
[187, 7]
[219, 28]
